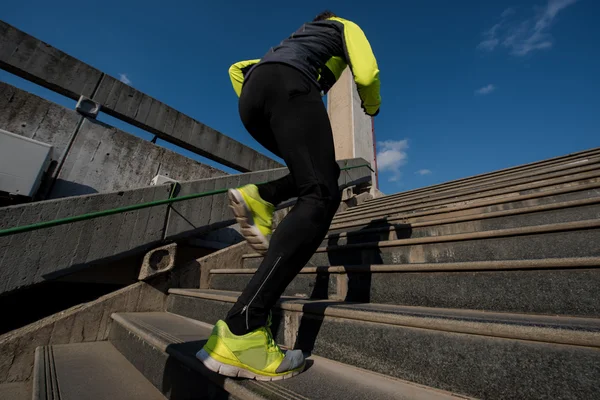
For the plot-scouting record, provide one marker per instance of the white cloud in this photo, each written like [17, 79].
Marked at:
[123, 78]
[508, 12]
[391, 156]
[523, 36]
[486, 89]
[423, 172]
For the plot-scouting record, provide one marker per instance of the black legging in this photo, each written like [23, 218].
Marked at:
[283, 110]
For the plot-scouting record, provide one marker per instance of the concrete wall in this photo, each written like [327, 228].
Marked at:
[50, 253]
[34, 60]
[100, 158]
[46, 254]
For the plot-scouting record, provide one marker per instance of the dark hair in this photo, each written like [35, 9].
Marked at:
[324, 15]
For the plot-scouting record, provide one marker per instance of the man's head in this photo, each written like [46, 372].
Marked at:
[324, 15]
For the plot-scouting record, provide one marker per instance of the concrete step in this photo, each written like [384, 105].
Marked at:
[564, 240]
[569, 159]
[523, 170]
[94, 371]
[15, 391]
[576, 210]
[555, 173]
[550, 286]
[394, 207]
[453, 210]
[481, 354]
[168, 342]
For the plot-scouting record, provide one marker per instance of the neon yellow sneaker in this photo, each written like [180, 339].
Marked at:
[254, 215]
[254, 355]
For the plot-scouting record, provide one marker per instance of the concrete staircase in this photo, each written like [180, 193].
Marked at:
[485, 287]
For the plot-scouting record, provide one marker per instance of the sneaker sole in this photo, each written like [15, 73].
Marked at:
[243, 216]
[238, 372]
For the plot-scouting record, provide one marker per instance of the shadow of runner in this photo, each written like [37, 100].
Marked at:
[358, 278]
[186, 378]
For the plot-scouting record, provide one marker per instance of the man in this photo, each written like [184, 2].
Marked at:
[282, 108]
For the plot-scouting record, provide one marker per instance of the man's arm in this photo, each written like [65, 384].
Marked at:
[237, 72]
[363, 64]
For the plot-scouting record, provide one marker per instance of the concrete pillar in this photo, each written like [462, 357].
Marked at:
[352, 128]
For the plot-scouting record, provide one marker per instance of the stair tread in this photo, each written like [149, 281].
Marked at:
[552, 329]
[182, 337]
[474, 217]
[574, 158]
[473, 194]
[575, 262]
[527, 230]
[95, 371]
[483, 187]
[420, 211]
[15, 391]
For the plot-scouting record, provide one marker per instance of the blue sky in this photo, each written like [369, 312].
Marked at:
[468, 87]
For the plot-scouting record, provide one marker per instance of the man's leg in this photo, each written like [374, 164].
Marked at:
[304, 138]
[279, 190]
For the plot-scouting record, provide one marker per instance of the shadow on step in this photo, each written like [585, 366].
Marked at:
[358, 281]
[180, 380]
[382, 230]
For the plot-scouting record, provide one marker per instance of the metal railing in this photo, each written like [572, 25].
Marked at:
[119, 210]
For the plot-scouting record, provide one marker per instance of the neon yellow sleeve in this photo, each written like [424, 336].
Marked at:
[363, 64]
[236, 74]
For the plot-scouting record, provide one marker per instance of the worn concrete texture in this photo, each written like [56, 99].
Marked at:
[53, 252]
[352, 128]
[197, 216]
[106, 159]
[64, 371]
[470, 364]
[15, 391]
[477, 223]
[82, 323]
[387, 206]
[555, 291]
[158, 261]
[48, 253]
[471, 209]
[101, 158]
[32, 59]
[398, 208]
[171, 377]
[316, 286]
[31, 116]
[576, 243]
[479, 366]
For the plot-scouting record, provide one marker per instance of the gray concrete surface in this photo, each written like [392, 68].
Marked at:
[106, 159]
[88, 371]
[54, 252]
[511, 218]
[472, 353]
[158, 261]
[31, 116]
[15, 391]
[181, 338]
[391, 207]
[32, 257]
[520, 170]
[82, 323]
[479, 246]
[554, 292]
[352, 128]
[32, 59]
[316, 286]
[101, 158]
